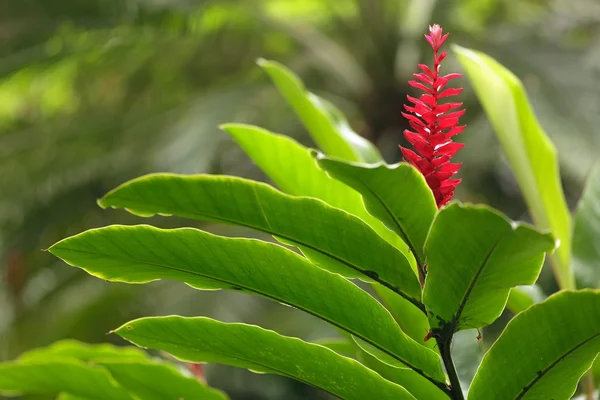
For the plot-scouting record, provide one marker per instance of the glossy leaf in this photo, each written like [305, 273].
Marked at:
[475, 256]
[55, 376]
[529, 151]
[334, 239]
[398, 195]
[543, 351]
[326, 124]
[586, 233]
[294, 170]
[140, 254]
[257, 349]
[157, 381]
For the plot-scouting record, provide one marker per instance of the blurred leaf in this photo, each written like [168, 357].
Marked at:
[54, 376]
[325, 122]
[398, 195]
[310, 224]
[257, 349]
[84, 352]
[292, 168]
[523, 297]
[543, 351]
[529, 151]
[155, 381]
[475, 256]
[586, 233]
[140, 254]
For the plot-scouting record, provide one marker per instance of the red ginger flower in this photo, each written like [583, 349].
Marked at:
[434, 124]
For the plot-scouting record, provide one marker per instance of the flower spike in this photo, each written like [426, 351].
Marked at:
[434, 124]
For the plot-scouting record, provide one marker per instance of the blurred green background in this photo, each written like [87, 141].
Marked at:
[96, 92]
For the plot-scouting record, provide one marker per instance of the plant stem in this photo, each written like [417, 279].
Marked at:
[455, 389]
[589, 385]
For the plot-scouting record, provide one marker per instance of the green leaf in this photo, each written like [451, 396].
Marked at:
[257, 349]
[84, 352]
[332, 238]
[140, 254]
[586, 233]
[523, 297]
[414, 383]
[293, 169]
[543, 351]
[342, 346]
[397, 195]
[529, 151]
[158, 381]
[326, 124]
[475, 256]
[55, 376]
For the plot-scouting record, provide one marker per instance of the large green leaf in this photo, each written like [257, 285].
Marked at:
[543, 351]
[332, 238]
[293, 169]
[529, 151]
[325, 122]
[157, 381]
[398, 195]
[586, 233]
[139, 254]
[475, 256]
[257, 349]
[54, 376]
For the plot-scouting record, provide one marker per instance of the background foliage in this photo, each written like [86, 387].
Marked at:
[95, 93]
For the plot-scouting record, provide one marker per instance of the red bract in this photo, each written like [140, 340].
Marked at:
[434, 124]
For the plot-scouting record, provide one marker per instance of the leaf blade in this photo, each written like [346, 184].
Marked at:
[475, 256]
[325, 122]
[192, 256]
[255, 348]
[531, 154]
[561, 346]
[307, 223]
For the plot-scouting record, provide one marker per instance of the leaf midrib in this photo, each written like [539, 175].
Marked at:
[465, 299]
[546, 370]
[332, 256]
[390, 353]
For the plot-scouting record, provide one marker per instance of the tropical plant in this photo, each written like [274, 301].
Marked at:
[347, 219]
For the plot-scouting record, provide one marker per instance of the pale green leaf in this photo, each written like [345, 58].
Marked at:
[324, 122]
[529, 151]
[586, 233]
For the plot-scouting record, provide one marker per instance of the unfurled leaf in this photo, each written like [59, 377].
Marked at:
[324, 122]
[586, 233]
[257, 349]
[396, 194]
[474, 257]
[334, 239]
[139, 254]
[55, 376]
[529, 151]
[543, 351]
